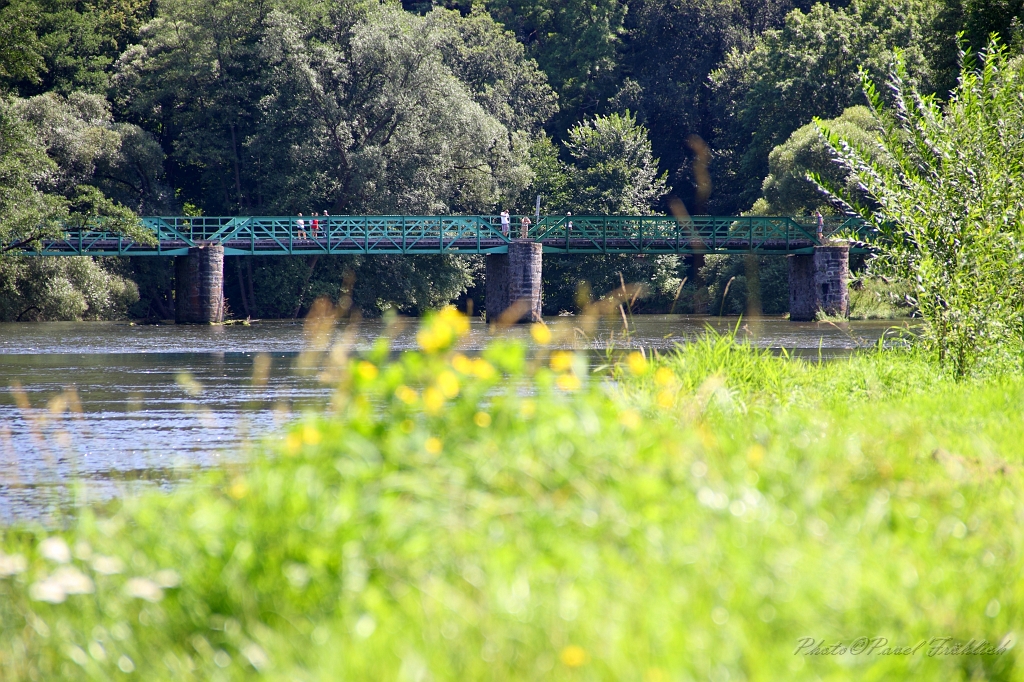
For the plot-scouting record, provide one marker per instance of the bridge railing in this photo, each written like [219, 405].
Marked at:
[280, 235]
[694, 233]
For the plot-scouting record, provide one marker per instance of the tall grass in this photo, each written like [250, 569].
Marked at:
[511, 517]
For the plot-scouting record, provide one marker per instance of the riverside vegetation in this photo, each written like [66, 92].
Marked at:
[126, 107]
[517, 516]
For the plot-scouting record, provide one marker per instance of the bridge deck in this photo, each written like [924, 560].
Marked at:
[412, 235]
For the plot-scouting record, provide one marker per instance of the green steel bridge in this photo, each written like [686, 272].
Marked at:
[416, 235]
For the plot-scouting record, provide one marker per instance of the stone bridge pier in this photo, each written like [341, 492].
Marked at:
[513, 283]
[818, 283]
[199, 285]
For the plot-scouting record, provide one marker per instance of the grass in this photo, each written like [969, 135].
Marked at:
[508, 517]
[877, 298]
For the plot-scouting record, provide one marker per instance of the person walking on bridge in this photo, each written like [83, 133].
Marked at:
[316, 225]
[301, 224]
[505, 220]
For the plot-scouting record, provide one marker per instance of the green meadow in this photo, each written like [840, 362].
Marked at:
[714, 513]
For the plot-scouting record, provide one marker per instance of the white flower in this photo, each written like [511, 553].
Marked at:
[55, 549]
[107, 565]
[72, 581]
[256, 656]
[143, 588]
[12, 564]
[166, 578]
[55, 589]
[48, 591]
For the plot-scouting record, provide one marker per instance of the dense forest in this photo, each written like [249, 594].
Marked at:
[122, 107]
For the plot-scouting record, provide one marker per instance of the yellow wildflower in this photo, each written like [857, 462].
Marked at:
[483, 369]
[630, 419]
[405, 394]
[310, 434]
[637, 363]
[367, 370]
[573, 656]
[568, 382]
[462, 364]
[433, 400]
[540, 333]
[561, 361]
[432, 445]
[482, 419]
[448, 383]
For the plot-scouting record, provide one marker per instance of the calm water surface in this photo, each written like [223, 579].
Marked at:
[117, 405]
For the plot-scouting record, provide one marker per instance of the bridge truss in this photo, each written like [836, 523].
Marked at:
[417, 235]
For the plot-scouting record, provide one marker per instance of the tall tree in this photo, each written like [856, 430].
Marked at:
[809, 67]
[65, 45]
[575, 43]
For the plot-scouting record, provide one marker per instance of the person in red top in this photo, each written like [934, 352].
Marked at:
[316, 225]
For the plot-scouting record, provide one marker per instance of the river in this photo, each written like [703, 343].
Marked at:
[117, 406]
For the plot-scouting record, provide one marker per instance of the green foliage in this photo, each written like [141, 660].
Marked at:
[879, 298]
[670, 49]
[788, 189]
[286, 287]
[575, 44]
[65, 45]
[27, 211]
[809, 67]
[612, 170]
[513, 519]
[493, 65]
[756, 284]
[949, 204]
[58, 155]
[37, 289]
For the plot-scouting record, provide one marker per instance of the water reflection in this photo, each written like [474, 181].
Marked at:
[117, 405]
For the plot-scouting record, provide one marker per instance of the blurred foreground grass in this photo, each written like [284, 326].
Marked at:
[689, 517]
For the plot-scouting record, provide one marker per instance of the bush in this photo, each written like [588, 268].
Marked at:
[71, 288]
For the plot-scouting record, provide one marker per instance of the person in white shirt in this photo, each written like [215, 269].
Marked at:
[504, 223]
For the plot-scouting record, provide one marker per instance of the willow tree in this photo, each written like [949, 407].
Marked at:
[946, 184]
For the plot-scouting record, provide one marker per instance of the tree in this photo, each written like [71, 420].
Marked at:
[65, 45]
[196, 81]
[809, 67]
[612, 169]
[72, 288]
[575, 43]
[56, 154]
[381, 124]
[947, 187]
[789, 189]
[493, 65]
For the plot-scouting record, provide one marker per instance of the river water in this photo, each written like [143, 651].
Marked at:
[117, 406]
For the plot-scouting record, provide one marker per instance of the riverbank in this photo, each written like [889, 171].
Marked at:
[697, 518]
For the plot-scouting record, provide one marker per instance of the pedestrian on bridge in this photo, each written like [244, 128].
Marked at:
[316, 225]
[524, 227]
[301, 232]
[821, 225]
[505, 221]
